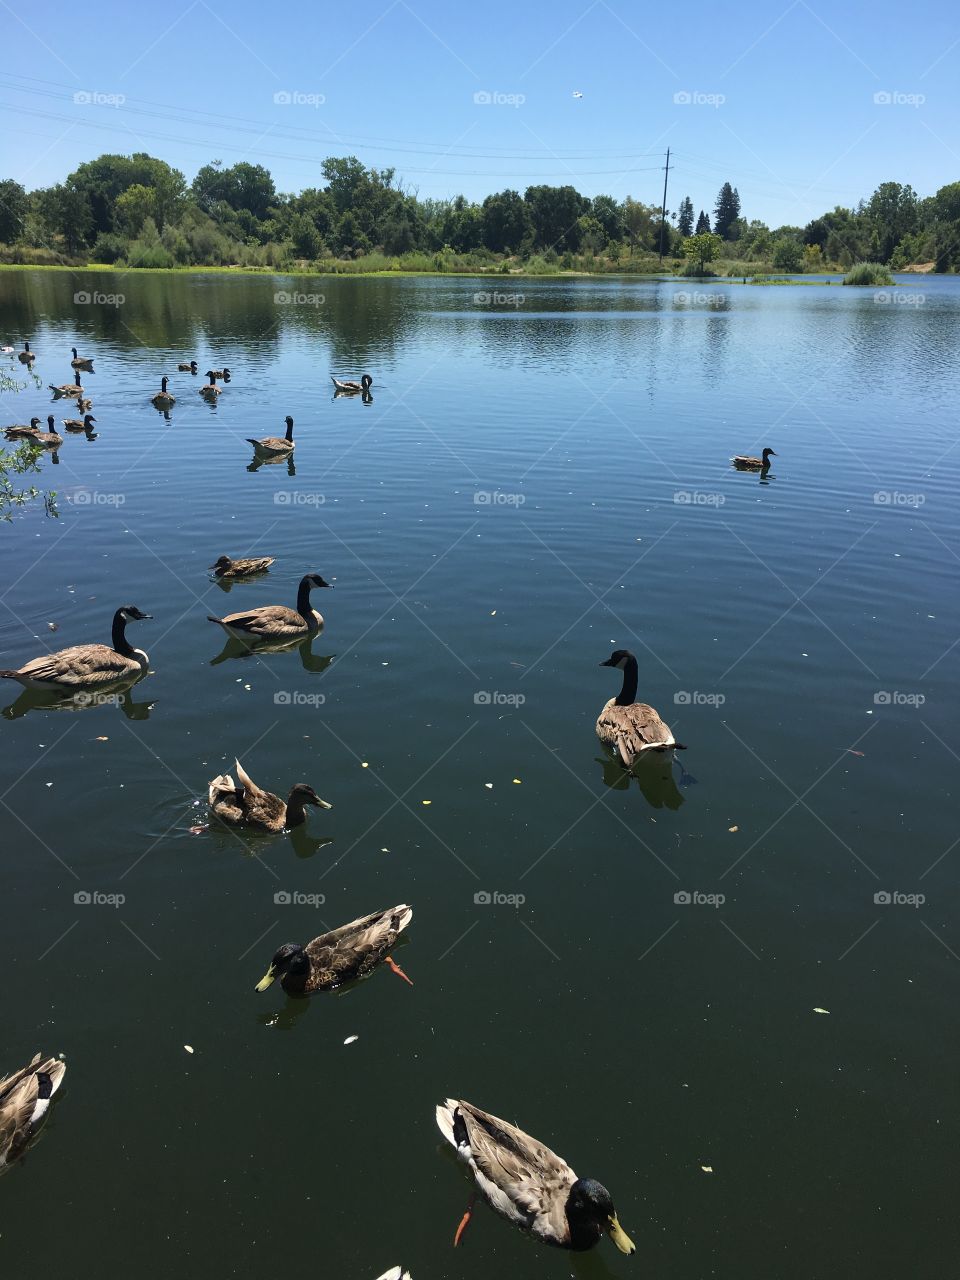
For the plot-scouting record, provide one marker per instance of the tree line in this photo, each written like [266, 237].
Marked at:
[138, 211]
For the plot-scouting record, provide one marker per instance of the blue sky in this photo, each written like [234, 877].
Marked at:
[780, 99]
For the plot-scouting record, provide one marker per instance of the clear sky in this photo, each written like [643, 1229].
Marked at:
[780, 99]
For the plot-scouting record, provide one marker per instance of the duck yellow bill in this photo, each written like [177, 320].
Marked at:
[620, 1237]
[266, 981]
[324, 804]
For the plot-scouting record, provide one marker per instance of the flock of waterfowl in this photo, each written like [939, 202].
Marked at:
[519, 1177]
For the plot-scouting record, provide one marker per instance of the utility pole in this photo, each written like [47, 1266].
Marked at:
[663, 208]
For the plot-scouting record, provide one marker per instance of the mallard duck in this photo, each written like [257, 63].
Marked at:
[632, 727]
[26, 356]
[223, 373]
[227, 568]
[211, 390]
[79, 424]
[72, 389]
[276, 621]
[334, 958]
[744, 462]
[81, 362]
[248, 805]
[526, 1183]
[349, 388]
[21, 432]
[275, 444]
[50, 439]
[24, 1100]
[87, 666]
[188, 367]
[163, 399]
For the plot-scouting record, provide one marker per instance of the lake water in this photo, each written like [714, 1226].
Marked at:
[537, 480]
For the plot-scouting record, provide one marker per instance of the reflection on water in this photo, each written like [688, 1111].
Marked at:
[81, 700]
[652, 772]
[310, 661]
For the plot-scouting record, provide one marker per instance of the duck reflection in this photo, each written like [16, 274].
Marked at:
[117, 695]
[653, 774]
[259, 462]
[304, 844]
[309, 660]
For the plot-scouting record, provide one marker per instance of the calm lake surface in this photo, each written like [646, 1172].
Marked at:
[537, 480]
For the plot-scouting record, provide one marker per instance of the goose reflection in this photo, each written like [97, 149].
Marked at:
[310, 661]
[117, 695]
[653, 774]
[259, 462]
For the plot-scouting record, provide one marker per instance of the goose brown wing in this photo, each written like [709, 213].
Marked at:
[82, 666]
[271, 620]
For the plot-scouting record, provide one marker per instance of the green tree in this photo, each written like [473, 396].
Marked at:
[555, 212]
[505, 221]
[726, 211]
[606, 211]
[13, 210]
[703, 223]
[702, 248]
[685, 217]
[638, 222]
[788, 254]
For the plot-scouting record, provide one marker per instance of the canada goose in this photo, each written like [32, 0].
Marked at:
[352, 388]
[227, 568]
[163, 399]
[188, 368]
[73, 389]
[50, 439]
[526, 1183]
[352, 951]
[744, 462]
[211, 390]
[20, 432]
[26, 356]
[632, 727]
[275, 444]
[248, 805]
[87, 666]
[81, 362]
[275, 621]
[24, 1100]
[79, 424]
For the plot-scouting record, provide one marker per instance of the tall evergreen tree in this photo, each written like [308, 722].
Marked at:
[703, 223]
[727, 210]
[685, 217]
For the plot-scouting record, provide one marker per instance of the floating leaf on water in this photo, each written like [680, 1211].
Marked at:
[197, 831]
[350, 1039]
[493, 613]
[707, 1168]
[733, 829]
[517, 781]
[102, 738]
[53, 626]
[364, 765]
[821, 1011]
[384, 849]
[426, 802]
[189, 1048]
[488, 785]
